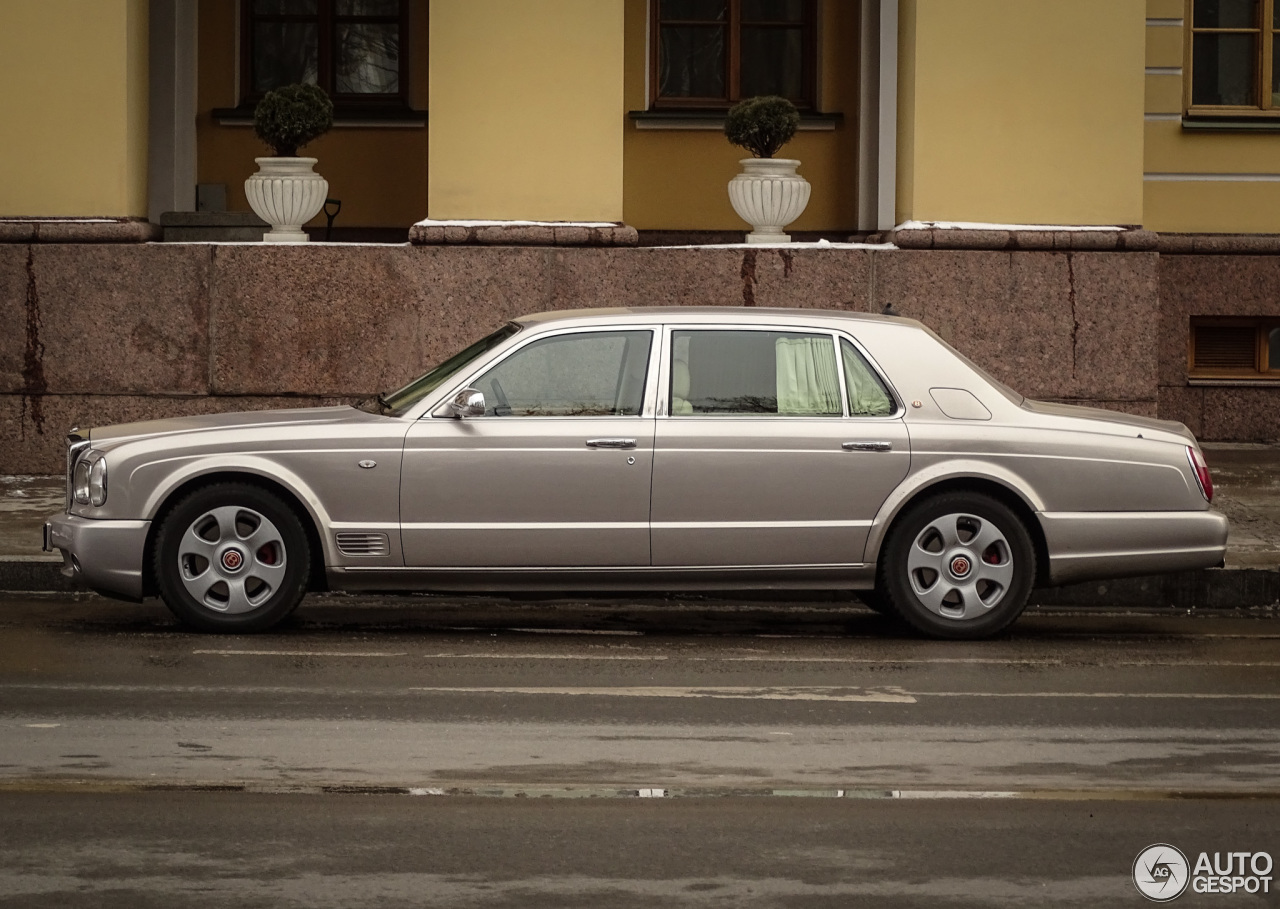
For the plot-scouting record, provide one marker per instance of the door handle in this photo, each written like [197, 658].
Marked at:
[867, 446]
[611, 443]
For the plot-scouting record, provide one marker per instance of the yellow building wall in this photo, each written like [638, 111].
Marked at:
[677, 179]
[379, 173]
[1199, 180]
[73, 101]
[1021, 112]
[526, 110]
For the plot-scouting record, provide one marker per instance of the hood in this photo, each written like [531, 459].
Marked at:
[122, 432]
[1120, 421]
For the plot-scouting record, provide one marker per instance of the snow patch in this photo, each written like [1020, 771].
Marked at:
[978, 225]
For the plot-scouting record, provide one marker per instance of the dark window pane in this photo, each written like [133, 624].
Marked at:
[773, 11]
[1226, 14]
[772, 62]
[1224, 69]
[283, 53]
[1275, 71]
[367, 61]
[284, 7]
[694, 10]
[367, 7]
[1273, 350]
[691, 62]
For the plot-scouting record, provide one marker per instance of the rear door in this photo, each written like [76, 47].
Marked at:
[774, 447]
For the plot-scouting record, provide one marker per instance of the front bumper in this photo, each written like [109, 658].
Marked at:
[106, 556]
[1097, 545]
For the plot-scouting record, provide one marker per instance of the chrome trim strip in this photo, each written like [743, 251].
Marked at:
[867, 446]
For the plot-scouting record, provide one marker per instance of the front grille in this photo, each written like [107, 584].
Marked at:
[355, 543]
[76, 446]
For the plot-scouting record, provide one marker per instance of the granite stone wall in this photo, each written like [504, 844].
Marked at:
[109, 333]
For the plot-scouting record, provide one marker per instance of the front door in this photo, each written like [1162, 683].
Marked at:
[555, 474]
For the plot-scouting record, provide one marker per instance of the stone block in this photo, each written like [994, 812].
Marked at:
[20, 321]
[1031, 239]
[78, 230]
[109, 318]
[462, 293]
[911, 239]
[1116, 314]
[314, 320]
[1184, 404]
[1241, 414]
[426, 234]
[970, 239]
[1059, 325]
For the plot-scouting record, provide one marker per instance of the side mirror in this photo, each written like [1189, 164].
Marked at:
[467, 403]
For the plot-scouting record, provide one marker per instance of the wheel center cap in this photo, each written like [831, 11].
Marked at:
[961, 566]
[233, 560]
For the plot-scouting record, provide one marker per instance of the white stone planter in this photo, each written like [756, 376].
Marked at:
[286, 193]
[769, 195]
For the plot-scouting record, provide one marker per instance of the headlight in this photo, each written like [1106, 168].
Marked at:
[90, 479]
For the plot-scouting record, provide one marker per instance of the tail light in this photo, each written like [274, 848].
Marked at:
[1202, 472]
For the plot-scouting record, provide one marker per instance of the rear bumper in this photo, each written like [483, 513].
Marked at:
[1096, 545]
[104, 555]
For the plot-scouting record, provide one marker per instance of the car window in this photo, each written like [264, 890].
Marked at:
[867, 395]
[779, 373]
[585, 374]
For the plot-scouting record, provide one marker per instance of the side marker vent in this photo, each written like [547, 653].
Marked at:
[354, 543]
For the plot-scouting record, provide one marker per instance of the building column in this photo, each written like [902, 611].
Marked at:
[75, 106]
[171, 159]
[526, 108]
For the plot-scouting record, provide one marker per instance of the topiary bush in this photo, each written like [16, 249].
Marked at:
[762, 125]
[291, 116]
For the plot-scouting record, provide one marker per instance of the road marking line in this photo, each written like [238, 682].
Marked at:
[913, 661]
[847, 694]
[952, 794]
[297, 653]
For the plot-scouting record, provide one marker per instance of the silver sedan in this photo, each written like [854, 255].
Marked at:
[648, 449]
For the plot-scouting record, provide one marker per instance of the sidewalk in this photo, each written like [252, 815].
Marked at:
[1246, 477]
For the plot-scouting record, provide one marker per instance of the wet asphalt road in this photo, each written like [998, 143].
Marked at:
[489, 753]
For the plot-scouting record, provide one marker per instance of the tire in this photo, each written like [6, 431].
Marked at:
[231, 558]
[876, 601]
[958, 565]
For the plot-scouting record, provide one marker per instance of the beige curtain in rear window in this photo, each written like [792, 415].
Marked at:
[807, 379]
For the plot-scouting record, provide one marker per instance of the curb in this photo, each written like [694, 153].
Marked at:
[1210, 588]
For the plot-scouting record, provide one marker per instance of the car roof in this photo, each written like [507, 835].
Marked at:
[693, 314]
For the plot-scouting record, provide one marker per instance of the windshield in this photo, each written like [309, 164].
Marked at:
[397, 403]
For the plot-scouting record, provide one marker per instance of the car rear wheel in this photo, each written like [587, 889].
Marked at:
[958, 565]
[231, 558]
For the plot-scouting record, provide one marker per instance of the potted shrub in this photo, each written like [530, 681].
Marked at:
[768, 194]
[286, 192]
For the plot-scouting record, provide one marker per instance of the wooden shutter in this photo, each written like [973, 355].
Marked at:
[1225, 347]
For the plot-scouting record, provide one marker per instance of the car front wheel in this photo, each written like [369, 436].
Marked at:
[231, 558]
[958, 565]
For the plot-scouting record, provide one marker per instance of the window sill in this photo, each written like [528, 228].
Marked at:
[1260, 382]
[714, 120]
[391, 117]
[1265, 121]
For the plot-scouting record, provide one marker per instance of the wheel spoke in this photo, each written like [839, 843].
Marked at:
[200, 585]
[932, 597]
[988, 535]
[996, 574]
[971, 604]
[238, 600]
[193, 544]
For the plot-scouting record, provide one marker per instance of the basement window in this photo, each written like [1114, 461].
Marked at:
[1234, 349]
